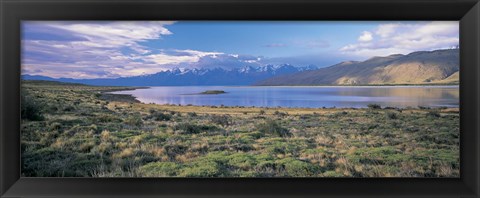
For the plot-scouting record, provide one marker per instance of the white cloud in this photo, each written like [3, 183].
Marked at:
[163, 59]
[114, 34]
[199, 53]
[366, 36]
[74, 59]
[90, 63]
[403, 38]
[187, 56]
[386, 29]
[97, 50]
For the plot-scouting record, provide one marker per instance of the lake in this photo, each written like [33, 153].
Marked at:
[295, 96]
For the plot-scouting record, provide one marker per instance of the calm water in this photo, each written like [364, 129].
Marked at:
[394, 96]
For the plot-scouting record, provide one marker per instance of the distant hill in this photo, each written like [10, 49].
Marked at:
[182, 77]
[424, 67]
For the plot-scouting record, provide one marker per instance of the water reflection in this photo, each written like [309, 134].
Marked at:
[395, 96]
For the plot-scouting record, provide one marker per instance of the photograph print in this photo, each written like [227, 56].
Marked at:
[255, 99]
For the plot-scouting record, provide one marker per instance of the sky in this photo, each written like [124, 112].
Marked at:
[112, 49]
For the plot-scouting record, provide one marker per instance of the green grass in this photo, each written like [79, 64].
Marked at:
[73, 130]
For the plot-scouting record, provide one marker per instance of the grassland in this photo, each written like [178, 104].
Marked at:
[71, 130]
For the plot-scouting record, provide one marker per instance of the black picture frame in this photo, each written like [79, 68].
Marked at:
[12, 12]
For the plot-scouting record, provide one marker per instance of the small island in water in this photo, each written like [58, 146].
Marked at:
[213, 92]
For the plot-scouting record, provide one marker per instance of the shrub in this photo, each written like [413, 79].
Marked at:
[297, 168]
[204, 169]
[30, 109]
[223, 120]
[338, 114]
[107, 118]
[192, 114]
[243, 161]
[160, 169]
[281, 114]
[273, 127]
[434, 114]
[69, 108]
[189, 128]
[134, 121]
[262, 112]
[392, 115]
[423, 107]
[159, 116]
[126, 133]
[55, 126]
[332, 174]
[52, 109]
[174, 149]
[374, 106]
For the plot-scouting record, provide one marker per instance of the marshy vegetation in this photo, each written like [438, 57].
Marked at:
[71, 130]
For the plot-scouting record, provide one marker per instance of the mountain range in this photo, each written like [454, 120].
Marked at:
[182, 77]
[423, 67]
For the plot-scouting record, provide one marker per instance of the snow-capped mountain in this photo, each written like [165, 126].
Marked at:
[246, 75]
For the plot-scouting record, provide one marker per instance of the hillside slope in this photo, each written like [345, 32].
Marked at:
[425, 67]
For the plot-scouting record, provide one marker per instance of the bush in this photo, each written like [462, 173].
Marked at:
[338, 114]
[30, 109]
[134, 121]
[281, 114]
[69, 108]
[434, 114]
[423, 107]
[188, 128]
[160, 169]
[297, 168]
[107, 118]
[223, 120]
[159, 116]
[203, 169]
[392, 115]
[242, 161]
[55, 126]
[374, 106]
[272, 127]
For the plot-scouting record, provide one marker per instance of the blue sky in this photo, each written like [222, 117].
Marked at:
[109, 49]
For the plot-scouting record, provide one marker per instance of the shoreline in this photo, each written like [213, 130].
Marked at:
[107, 94]
[110, 96]
[294, 86]
[129, 98]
